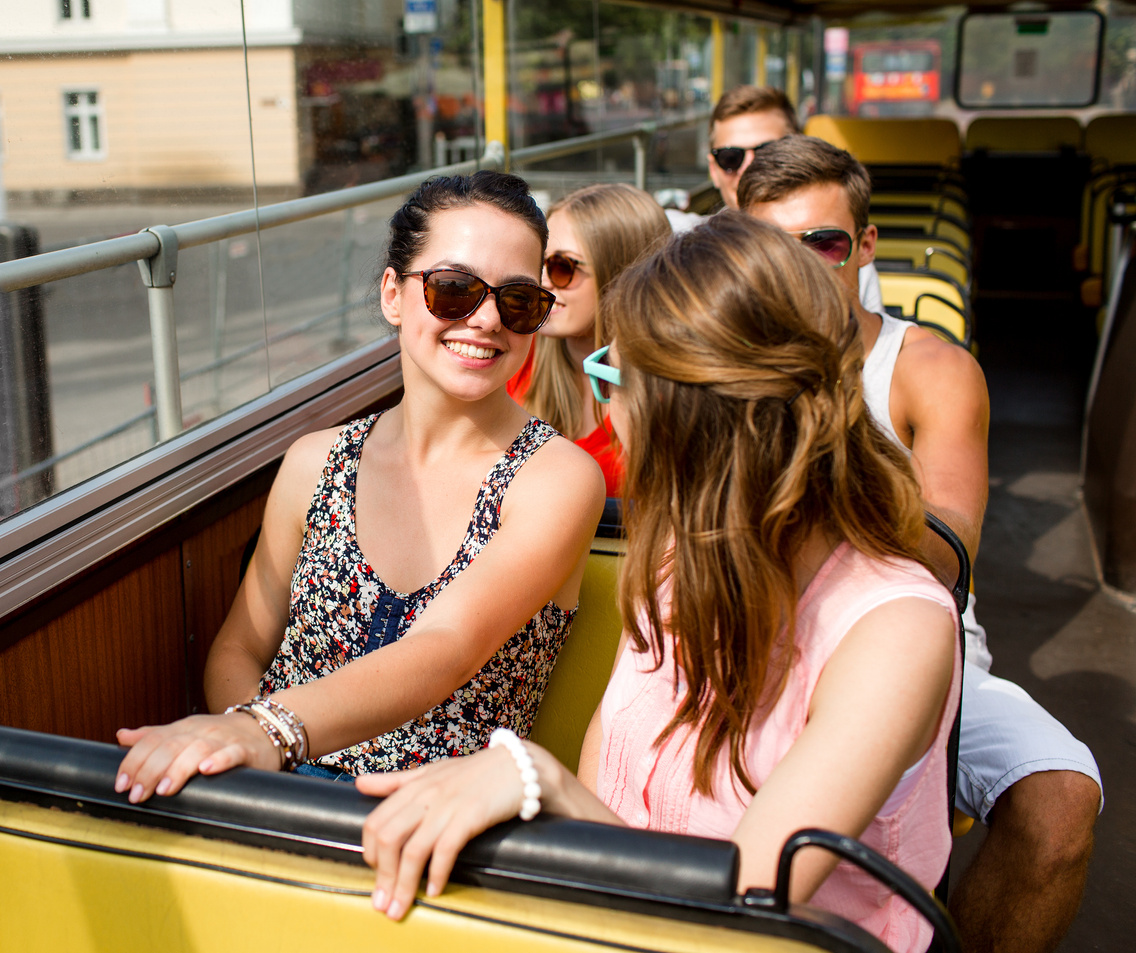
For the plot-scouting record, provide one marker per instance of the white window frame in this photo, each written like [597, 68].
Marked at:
[85, 112]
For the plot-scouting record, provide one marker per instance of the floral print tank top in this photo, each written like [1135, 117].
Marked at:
[340, 610]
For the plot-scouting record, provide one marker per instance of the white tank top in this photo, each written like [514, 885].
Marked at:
[878, 371]
[879, 368]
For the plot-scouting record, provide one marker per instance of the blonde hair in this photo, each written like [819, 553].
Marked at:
[615, 223]
[741, 387]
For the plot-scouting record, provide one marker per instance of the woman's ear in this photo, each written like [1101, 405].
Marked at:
[390, 298]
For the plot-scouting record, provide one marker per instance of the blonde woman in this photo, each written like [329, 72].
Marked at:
[593, 234]
[787, 660]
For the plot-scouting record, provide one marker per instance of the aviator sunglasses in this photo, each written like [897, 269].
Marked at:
[730, 158]
[561, 269]
[452, 295]
[602, 375]
[832, 244]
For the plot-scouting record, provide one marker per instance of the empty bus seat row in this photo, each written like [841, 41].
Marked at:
[921, 211]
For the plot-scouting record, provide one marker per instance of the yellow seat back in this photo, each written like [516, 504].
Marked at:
[1112, 139]
[932, 202]
[1024, 134]
[584, 665]
[929, 224]
[929, 301]
[922, 256]
[891, 141]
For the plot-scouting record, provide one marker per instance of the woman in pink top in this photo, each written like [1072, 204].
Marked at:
[787, 660]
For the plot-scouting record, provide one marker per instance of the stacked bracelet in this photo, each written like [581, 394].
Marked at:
[530, 805]
[284, 729]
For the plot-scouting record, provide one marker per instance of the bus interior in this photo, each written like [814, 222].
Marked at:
[172, 317]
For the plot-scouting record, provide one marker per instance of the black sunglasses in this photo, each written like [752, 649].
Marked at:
[452, 295]
[730, 158]
[561, 269]
[832, 244]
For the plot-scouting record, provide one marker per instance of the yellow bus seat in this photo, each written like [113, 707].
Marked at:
[913, 225]
[1112, 139]
[923, 257]
[901, 141]
[930, 202]
[584, 666]
[932, 302]
[901, 185]
[1024, 134]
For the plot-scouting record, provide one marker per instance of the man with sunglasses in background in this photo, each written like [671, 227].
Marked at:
[743, 121]
[1020, 771]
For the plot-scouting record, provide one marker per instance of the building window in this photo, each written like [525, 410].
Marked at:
[83, 118]
[66, 7]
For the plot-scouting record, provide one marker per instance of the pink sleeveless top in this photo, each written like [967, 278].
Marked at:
[651, 786]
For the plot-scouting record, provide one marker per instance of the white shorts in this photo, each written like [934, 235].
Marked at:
[1006, 736]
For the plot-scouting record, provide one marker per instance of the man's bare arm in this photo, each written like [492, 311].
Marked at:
[939, 392]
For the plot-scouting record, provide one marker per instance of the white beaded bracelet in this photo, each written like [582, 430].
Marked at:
[530, 806]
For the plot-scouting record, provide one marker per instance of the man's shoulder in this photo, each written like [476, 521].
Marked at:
[930, 368]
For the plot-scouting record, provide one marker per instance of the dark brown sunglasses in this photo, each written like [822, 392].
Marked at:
[561, 269]
[452, 295]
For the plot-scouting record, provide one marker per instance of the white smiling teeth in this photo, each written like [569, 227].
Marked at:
[468, 350]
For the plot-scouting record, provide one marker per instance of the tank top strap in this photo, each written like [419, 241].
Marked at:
[879, 368]
[334, 496]
[487, 511]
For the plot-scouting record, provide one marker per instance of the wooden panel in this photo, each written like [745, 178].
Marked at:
[212, 562]
[114, 660]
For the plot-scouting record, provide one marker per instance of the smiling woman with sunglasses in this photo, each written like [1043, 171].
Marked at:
[787, 661]
[418, 570]
[594, 233]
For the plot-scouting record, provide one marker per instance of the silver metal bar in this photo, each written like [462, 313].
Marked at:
[641, 142]
[80, 260]
[159, 272]
[167, 382]
[83, 259]
[567, 147]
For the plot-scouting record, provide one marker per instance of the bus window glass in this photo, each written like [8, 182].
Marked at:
[1043, 59]
[106, 135]
[580, 66]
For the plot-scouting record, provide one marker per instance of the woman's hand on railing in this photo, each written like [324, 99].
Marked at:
[429, 814]
[163, 757]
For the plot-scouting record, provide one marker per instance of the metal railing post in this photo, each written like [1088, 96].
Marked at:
[641, 140]
[158, 275]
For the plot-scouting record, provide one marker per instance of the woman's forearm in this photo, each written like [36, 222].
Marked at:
[232, 676]
[563, 794]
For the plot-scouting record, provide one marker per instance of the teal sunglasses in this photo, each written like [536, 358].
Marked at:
[601, 374]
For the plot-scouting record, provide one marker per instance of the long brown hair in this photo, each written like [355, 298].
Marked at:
[747, 429]
[615, 223]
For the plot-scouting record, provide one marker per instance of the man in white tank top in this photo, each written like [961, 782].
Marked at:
[1020, 771]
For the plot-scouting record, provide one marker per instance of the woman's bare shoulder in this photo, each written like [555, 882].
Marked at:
[561, 474]
[301, 467]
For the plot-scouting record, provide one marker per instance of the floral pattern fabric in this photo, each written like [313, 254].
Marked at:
[340, 610]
